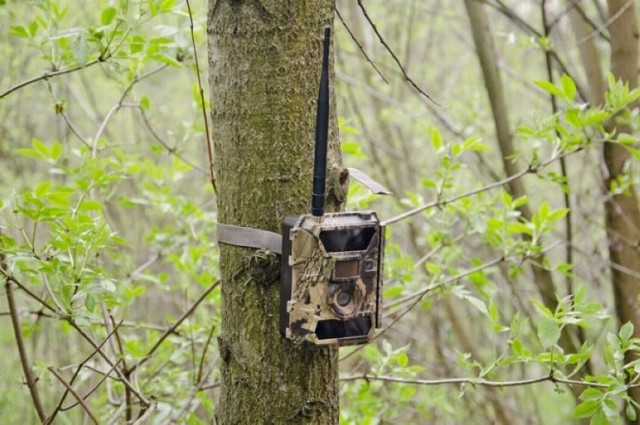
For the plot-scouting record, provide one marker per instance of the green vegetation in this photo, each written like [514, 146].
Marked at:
[512, 263]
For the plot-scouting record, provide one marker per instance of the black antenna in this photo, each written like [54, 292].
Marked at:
[322, 133]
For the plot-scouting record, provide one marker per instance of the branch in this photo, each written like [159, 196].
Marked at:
[612, 19]
[70, 321]
[393, 55]
[503, 9]
[473, 381]
[420, 295]
[11, 279]
[204, 354]
[22, 351]
[58, 408]
[355, 40]
[104, 376]
[75, 394]
[532, 169]
[170, 150]
[204, 109]
[48, 75]
[173, 327]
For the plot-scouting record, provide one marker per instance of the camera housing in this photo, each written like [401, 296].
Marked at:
[331, 264]
[331, 278]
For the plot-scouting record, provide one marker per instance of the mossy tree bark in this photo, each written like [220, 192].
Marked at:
[264, 68]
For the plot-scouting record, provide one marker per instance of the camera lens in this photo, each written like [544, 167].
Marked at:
[343, 298]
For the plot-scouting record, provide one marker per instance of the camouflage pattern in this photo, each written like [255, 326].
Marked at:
[334, 263]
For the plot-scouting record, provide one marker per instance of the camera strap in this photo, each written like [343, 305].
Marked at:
[250, 237]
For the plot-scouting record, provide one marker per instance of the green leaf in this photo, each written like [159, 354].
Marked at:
[18, 31]
[477, 303]
[591, 394]
[402, 359]
[599, 419]
[90, 303]
[627, 139]
[630, 411]
[145, 103]
[33, 28]
[436, 139]
[517, 227]
[558, 214]
[548, 332]
[108, 285]
[393, 291]
[107, 15]
[432, 268]
[568, 87]
[90, 205]
[167, 5]
[549, 88]
[429, 183]
[80, 49]
[543, 211]
[586, 409]
[572, 115]
[56, 151]
[166, 59]
[626, 331]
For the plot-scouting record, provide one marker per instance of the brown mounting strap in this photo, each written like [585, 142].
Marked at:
[251, 237]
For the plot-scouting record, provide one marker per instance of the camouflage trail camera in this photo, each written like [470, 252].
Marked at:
[331, 270]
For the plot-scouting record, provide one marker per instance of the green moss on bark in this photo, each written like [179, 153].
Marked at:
[264, 61]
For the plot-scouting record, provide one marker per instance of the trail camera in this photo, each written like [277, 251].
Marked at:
[331, 289]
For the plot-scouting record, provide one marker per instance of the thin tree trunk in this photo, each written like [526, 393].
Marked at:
[589, 55]
[264, 68]
[485, 49]
[622, 212]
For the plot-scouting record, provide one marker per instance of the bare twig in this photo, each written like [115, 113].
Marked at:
[47, 75]
[204, 354]
[522, 23]
[70, 321]
[145, 415]
[360, 47]
[393, 55]
[173, 327]
[22, 351]
[199, 387]
[204, 108]
[58, 408]
[11, 279]
[104, 376]
[563, 165]
[601, 30]
[170, 150]
[125, 381]
[474, 381]
[75, 394]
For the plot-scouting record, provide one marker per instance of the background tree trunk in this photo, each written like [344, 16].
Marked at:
[264, 59]
[622, 212]
[485, 49]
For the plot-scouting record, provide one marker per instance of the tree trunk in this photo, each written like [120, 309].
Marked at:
[264, 69]
[589, 55]
[622, 212]
[483, 41]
